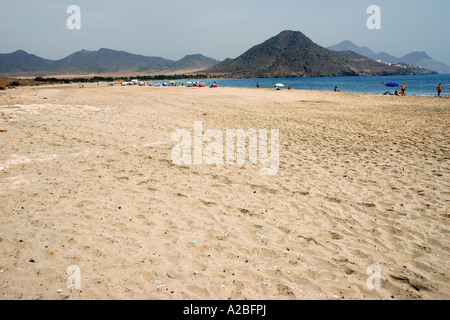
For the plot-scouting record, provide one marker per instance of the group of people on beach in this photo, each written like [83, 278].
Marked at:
[401, 93]
[403, 90]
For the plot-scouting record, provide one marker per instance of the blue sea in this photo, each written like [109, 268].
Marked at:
[415, 85]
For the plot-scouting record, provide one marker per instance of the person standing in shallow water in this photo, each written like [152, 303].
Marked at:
[439, 89]
[403, 89]
[257, 85]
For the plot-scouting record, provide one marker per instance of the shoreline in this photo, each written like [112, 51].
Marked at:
[210, 80]
[106, 84]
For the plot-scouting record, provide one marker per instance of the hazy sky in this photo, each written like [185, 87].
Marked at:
[220, 29]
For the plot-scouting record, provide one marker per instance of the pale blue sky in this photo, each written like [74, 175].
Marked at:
[220, 29]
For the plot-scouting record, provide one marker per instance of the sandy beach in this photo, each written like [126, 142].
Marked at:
[87, 179]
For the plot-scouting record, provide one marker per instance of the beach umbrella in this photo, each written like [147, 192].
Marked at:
[392, 84]
[279, 85]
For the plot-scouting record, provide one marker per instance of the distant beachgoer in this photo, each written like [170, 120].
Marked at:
[403, 89]
[396, 93]
[336, 89]
[439, 89]
[257, 85]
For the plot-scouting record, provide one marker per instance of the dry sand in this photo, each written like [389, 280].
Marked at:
[87, 179]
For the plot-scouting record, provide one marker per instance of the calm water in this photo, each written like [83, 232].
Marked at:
[415, 85]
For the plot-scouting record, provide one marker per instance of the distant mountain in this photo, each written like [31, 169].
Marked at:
[107, 60]
[102, 61]
[194, 62]
[418, 58]
[20, 61]
[422, 59]
[385, 57]
[364, 51]
[292, 54]
[415, 56]
[350, 46]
